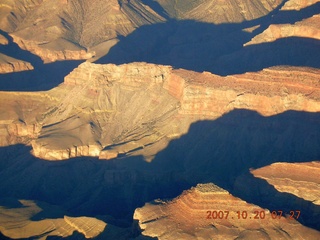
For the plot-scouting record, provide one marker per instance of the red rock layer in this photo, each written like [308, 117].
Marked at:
[107, 110]
[208, 211]
[300, 179]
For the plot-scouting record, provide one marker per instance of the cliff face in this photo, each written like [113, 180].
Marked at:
[300, 179]
[298, 4]
[9, 64]
[136, 109]
[60, 50]
[307, 28]
[77, 30]
[215, 11]
[3, 40]
[69, 29]
[62, 227]
[207, 210]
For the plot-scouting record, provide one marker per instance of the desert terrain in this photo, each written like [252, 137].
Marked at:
[160, 119]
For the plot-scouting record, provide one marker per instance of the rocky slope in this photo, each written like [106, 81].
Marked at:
[298, 4]
[73, 29]
[44, 226]
[207, 211]
[300, 179]
[307, 28]
[64, 30]
[162, 131]
[215, 11]
[105, 110]
[3, 40]
[9, 64]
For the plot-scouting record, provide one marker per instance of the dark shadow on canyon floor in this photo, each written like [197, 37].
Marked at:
[185, 44]
[220, 151]
[43, 77]
[218, 48]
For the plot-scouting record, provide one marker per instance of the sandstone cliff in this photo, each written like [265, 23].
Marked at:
[42, 229]
[207, 211]
[66, 31]
[69, 30]
[3, 40]
[9, 64]
[298, 4]
[300, 179]
[307, 28]
[216, 11]
[136, 109]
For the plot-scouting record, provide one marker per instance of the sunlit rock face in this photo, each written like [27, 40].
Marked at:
[220, 92]
[306, 28]
[300, 179]
[71, 30]
[207, 211]
[34, 221]
[68, 30]
[9, 64]
[215, 11]
[108, 110]
[298, 4]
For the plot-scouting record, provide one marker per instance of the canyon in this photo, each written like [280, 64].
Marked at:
[192, 216]
[159, 119]
[65, 127]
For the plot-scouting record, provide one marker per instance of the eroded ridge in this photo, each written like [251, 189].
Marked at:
[108, 111]
[300, 179]
[208, 211]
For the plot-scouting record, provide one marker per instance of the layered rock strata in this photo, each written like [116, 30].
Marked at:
[218, 11]
[3, 40]
[299, 179]
[9, 64]
[70, 30]
[24, 227]
[307, 28]
[136, 109]
[207, 211]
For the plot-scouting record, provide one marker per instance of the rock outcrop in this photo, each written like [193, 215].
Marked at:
[136, 109]
[46, 227]
[58, 51]
[207, 211]
[89, 227]
[216, 11]
[307, 28]
[9, 64]
[77, 30]
[300, 179]
[297, 4]
[69, 31]
[3, 40]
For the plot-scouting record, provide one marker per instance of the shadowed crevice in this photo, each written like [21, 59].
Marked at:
[218, 151]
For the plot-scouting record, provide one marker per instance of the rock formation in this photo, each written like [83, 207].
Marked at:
[71, 30]
[300, 179]
[9, 64]
[207, 211]
[298, 4]
[75, 30]
[220, 92]
[307, 28]
[104, 110]
[215, 11]
[41, 229]
[3, 40]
